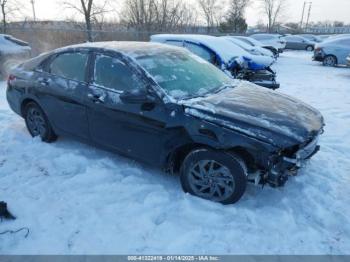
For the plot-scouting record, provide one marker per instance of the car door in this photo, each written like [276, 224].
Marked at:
[134, 129]
[61, 85]
[292, 42]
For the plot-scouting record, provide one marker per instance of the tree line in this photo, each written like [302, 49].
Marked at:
[226, 16]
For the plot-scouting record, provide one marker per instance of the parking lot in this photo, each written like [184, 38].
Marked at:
[73, 197]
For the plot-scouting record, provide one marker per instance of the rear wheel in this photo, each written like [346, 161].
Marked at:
[37, 123]
[330, 60]
[214, 175]
[310, 48]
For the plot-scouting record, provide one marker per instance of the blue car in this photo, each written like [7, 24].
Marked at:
[333, 52]
[227, 56]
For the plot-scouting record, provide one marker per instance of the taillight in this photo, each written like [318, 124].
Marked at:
[318, 49]
[10, 78]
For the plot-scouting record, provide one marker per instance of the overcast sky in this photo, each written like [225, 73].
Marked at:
[321, 10]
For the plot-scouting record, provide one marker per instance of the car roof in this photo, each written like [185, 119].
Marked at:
[335, 40]
[222, 47]
[238, 41]
[266, 34]
[129, 48]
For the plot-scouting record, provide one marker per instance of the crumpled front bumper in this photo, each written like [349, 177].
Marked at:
[318, 56]
[265, 78]
[286, 166]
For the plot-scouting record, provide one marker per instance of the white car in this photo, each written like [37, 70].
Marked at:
[273, 40]
[257, 44]
[254, 50]
[12, 52]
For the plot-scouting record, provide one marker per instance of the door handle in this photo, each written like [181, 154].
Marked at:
[97, 99]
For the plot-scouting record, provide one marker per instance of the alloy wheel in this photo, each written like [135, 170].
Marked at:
[329, 61]
[211, 180]
[36, 122]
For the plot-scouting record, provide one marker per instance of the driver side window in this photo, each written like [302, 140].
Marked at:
[112, 73]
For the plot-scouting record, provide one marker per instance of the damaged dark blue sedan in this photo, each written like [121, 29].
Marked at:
[167, 107]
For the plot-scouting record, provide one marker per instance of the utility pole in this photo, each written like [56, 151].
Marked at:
[302, 16]
[33, 8]
[308, 15]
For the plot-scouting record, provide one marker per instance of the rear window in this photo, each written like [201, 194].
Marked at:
[70, 65]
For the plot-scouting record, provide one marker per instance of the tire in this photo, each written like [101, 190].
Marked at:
[330, 60]
[214, 175]
[38, 124]
[309, 48]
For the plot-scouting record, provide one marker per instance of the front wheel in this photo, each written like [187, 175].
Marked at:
[37, 123]
[214, 175]
[330, 60]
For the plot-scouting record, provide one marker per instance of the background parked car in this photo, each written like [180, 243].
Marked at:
[348, 60]
[225, 55]
[311, 37]
[295, 42]
[12, 52]
[257, 44]
[338, 36]
[249, 48]
[323, 37]
[333, 51]
[271, 40]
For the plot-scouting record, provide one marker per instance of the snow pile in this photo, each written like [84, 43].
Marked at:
[76, 199]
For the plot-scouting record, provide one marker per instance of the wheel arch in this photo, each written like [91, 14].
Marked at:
[177, 156]
[25, 102]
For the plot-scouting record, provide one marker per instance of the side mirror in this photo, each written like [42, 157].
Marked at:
[137, 96]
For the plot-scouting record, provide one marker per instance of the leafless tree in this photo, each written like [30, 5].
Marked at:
[210, 9]
[158, 15]
[90, 10]
[273, 9]
[8, 7]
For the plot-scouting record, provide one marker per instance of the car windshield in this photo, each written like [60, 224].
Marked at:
[183, 75]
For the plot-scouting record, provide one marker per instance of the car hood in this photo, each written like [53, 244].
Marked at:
[260, 113]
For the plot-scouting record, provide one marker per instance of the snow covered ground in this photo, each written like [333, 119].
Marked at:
[76, 199]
